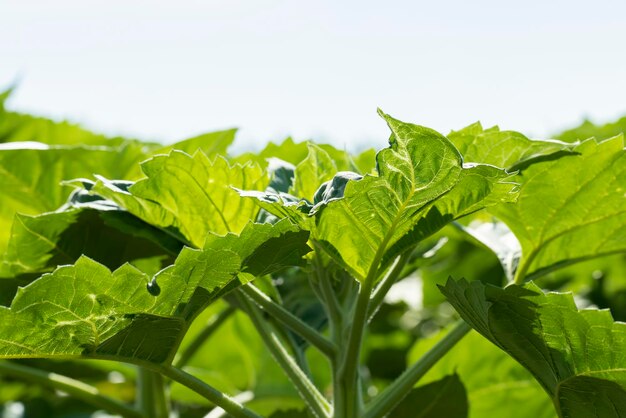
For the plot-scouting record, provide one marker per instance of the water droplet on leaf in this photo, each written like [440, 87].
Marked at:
[153, 287]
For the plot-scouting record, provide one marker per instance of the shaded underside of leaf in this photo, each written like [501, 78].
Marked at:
[496, 384]
[443, 398]
[40, 243]
[570, 352]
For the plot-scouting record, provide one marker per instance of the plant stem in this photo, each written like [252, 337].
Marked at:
[289, 320]
[218, 398]
[314, 399]
[214, 323]
[151, 399]
[335, 314]
[349, 368]
[385, 284]
[329, 298]
[395, 392]
[75, 388]
[520, 274]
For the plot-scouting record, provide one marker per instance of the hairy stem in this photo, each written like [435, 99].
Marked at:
[395, 392]
[349, 368]
[218, 398]
[75, 388]
[289, 320]
[385, 284]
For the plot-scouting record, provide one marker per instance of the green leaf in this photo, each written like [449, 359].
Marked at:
[85, 310]
[266, 248]
[31, 174]
[570, 209]
[20, 127]
[443, 398]
[296, 152]
[289, 151]
[190, 194]
[282, 175]
[365, 162]
[113, 237]
[496, 384]
[314, 170]
[422, 186]
[281, 205]
[507, 149]
[211, 144]
[577, 356]
[590, 130]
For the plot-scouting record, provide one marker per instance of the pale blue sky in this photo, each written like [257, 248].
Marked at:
[165, 70]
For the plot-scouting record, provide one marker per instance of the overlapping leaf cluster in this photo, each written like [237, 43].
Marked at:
[118, 249]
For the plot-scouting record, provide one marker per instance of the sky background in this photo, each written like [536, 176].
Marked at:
[167, 70]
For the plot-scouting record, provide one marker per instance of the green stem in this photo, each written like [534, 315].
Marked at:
[214, 323]
[520, 274]
[385, 284]
[314, 399]
[289, 320]
[349, 368]
[384, 403]
[335, 314]
[75, 388]
[298, 352]
[151, 399]
[329, 298]
[339, 397]
[218, 398]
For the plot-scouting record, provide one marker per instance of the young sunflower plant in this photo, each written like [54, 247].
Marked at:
[148, 281]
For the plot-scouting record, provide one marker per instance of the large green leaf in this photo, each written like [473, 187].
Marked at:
[211, 144]
[571, 208]
[289, 150]
[588, 130]
[85, 310]
[579, 357]
[442, 398]
[190, 194]
[112, 237]
[507, 149]
[422, 185]
[19, 127]
[30, 175]
[496, 384]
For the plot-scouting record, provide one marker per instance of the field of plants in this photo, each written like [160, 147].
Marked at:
[479, 274]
